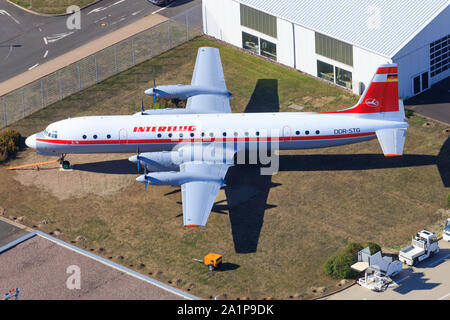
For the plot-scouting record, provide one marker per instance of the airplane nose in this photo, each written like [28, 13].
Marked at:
[31, 141]
[133, 159]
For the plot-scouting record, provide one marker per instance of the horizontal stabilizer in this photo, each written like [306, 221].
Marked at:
[392, 141]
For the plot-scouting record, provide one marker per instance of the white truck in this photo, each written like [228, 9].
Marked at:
[446, 233]
[423, 245]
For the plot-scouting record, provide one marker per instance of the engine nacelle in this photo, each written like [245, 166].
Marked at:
[158, 161]
[183, 92]
[174, 179]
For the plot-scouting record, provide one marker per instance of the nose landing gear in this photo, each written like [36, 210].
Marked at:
[64, 163]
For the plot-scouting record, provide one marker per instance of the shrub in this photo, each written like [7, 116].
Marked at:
[447, 201]
[339, 266]
[374, 248]
[9, 143]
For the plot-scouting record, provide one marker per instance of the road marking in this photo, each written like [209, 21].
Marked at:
[105, 8]
[45, 41]
[137, 12]
[3, 12]
[159, 10]
[57, 37]
[31, 68]
[438, 261]
[442, 298]
[45, 54]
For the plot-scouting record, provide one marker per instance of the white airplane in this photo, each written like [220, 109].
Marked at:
[173, 141]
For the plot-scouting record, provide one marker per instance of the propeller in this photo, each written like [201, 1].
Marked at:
[154, 92]
[146, 178]
[142, 106]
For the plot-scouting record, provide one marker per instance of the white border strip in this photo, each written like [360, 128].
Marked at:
[101, 260]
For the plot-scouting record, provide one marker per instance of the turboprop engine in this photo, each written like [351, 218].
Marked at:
[183, 92]
[174, 179]
[157, 161]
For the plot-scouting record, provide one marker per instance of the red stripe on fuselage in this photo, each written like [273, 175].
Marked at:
[201, 140]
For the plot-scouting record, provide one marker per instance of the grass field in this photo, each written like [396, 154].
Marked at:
[51, 6]
[275, 233]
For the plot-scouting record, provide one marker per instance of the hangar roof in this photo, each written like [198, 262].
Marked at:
[380, 26]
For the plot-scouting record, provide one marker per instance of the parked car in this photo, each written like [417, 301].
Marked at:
[161, 2]
[446, 233]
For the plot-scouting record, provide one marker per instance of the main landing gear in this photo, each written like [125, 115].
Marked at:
[64, 163]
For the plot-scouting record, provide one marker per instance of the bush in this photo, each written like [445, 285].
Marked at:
[447, 201]
[339, 266]
[374, 248]
[9, 143]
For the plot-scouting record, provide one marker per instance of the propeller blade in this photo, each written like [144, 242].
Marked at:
[138, 160]
[142, 106]
[154, 92]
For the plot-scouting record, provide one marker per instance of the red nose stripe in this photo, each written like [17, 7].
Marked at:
[191, 226]
[387, 70]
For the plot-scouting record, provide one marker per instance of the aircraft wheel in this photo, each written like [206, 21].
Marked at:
[66, 164]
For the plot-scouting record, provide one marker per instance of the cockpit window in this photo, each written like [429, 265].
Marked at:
[50, 134]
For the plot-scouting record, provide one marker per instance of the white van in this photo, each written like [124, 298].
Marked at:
[446, 233]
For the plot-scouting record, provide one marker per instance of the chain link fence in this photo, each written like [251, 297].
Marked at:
[86, 72]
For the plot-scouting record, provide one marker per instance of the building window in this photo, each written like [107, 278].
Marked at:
[334, 49]
[420, 83]
[259, 21]
[325, 71]
[331, 73]
[268, 49]
[440, 56]
[259, 46]
[343, 78]
[250, 42]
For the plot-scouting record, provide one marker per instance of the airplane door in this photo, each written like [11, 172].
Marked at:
[287, 133]
[123, 136]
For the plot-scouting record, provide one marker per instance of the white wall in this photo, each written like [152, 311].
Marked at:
[305, 43]
[222, 20]
[365, 64]
[414, 58]
[285, 43]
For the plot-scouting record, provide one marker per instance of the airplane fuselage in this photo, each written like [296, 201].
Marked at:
[152, 133]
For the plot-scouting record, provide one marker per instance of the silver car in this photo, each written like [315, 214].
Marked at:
[161, 2]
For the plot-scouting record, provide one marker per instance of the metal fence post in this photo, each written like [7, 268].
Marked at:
[23, 101]
[42, 93]
[4, 111]
[60, 85]
[168, 30]
[79, 75]
[96, 68]
[116, 68]
[151, 39]
[187, 28]
[132, 50]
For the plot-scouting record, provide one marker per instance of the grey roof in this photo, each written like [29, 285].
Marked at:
[381, 26]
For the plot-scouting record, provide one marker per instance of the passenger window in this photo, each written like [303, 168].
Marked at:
[84, 137]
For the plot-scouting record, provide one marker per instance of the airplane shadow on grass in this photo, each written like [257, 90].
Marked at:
[247, 190]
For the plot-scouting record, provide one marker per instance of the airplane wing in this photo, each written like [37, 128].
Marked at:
[198, 197]
[209, 72]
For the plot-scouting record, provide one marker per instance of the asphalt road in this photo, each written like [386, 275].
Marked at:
[428, 280]
[27, 40]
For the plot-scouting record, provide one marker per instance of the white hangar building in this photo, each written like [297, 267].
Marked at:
[342, 41]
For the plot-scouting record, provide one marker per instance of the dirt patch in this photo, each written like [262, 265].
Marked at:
[100, 174]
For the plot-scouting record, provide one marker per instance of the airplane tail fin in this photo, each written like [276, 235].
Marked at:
[380, 99]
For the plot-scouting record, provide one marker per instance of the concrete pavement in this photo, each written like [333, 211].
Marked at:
[28, 40]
